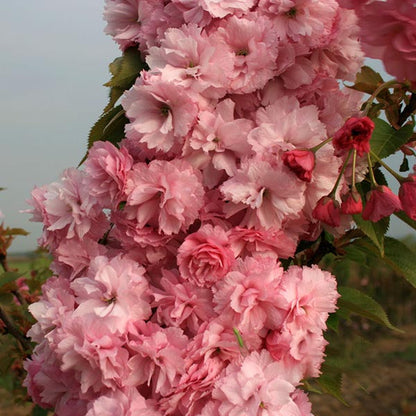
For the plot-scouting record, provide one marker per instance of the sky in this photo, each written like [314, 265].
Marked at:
[54, 60]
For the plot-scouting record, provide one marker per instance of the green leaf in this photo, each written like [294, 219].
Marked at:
[8, 277]
[375, 231]
[367, 80]
[401, 259]
[331, 383]
[386, 140]
[125, 70]
[6, 298]
[363, 305]
[333, 322]
[38, 411]
[115, 94]
[109, 127]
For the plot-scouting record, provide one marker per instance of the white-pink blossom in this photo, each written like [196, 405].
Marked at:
[167, 195]
[161, 113]
[258, 387]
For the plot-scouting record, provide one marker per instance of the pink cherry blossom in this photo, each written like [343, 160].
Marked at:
[328, 211]
[165, 195]
[355, 134]
[301, 20]
[253, 39]
[257, 387]
[301, 162]
[49, 386]
[268, 243]
[285, 125]
[97, 356]
[67, 210]
[158, 359]
[407, 195]
[265, 193]
[300, 351]
[106, 168]
[161, 113]
[134, 22]
[116, 293]
[309, 295]
[249, 294]
[181, 304]
[190, 58]
[222, 136]
[388, 30]
[352, 203]
[67, 265]
[205, 256]
[381, 202]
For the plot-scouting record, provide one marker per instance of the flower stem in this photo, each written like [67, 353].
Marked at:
[354, 162]
[400, 178]
[370, 168]
[322, 144]
[341, 173]
[406, 219]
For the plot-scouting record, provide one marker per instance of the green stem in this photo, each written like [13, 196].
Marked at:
[354, 162]
[370, 168]
[322, 144]
[344, 166]
[411, 223]
[380, 88]
[400, 178]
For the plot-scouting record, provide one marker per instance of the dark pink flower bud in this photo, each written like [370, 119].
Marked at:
[352, 203]
[354, 134]
[407, 195]
[381, 202]
[328, 211]
[300, 162]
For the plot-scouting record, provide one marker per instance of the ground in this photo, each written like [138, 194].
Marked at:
[383, 385]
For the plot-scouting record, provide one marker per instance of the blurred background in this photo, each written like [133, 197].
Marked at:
[54, 60]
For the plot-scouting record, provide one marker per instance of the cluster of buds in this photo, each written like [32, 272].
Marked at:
[354, 139]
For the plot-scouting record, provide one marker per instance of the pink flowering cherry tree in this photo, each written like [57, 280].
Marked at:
[228, 164]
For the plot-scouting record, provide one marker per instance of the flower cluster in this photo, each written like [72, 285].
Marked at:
[169, 296]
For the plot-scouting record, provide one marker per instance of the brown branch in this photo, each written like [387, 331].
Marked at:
[14, 330]
[408, 110]
[3, 262]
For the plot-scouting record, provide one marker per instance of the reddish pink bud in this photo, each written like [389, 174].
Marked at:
[352, 203]
[381, 202]
[300, 162]
[328, 211]
[407, 195]
[354, 134]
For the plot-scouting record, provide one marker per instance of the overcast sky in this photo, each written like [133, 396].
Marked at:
[54, 60]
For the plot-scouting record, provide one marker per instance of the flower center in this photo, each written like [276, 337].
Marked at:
[164, 110]
[291, 13]
[242, 52]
